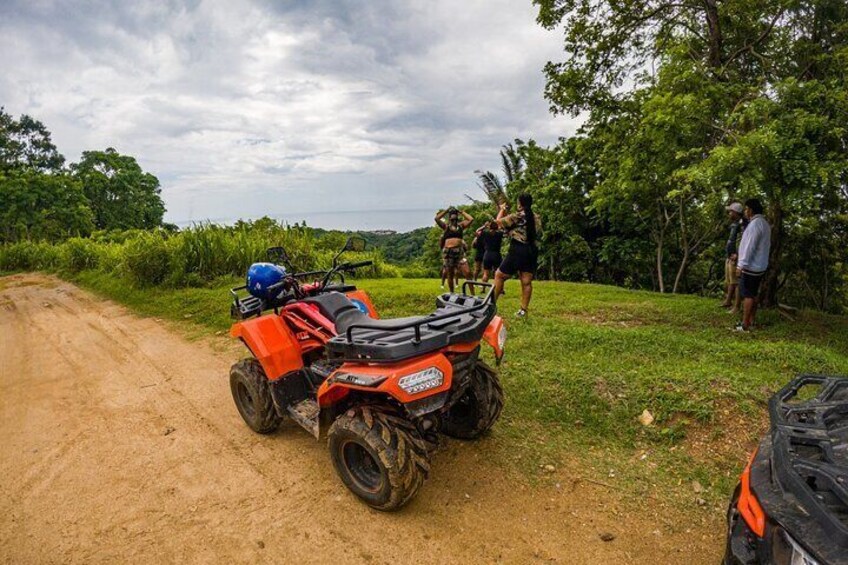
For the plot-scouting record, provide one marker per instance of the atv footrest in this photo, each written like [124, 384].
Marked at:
[306, 413]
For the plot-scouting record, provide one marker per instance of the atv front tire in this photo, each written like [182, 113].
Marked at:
[478, 408]
[379, 456]
[252, 396]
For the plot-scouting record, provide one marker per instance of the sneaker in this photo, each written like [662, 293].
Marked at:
[740, 328]
[521, 313]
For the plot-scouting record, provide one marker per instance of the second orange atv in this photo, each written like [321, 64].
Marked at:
[381, 390]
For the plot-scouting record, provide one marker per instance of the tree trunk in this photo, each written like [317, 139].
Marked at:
[768, 292]
[713, 33]
[660, 238]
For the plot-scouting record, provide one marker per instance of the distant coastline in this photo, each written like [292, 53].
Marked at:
[346, 220]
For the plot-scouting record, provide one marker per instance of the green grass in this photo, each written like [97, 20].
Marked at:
[587, 361]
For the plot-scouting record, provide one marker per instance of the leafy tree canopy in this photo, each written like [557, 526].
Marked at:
[121, 194]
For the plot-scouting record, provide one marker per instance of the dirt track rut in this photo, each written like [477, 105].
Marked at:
[120, 443]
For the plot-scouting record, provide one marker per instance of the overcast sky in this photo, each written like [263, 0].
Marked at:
[282, 108]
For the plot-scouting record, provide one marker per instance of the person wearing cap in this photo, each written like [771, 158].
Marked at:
[737, 224]
[753, 261]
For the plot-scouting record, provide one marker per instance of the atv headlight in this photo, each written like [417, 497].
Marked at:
[502, 338]
[787, 551]
[422, 380]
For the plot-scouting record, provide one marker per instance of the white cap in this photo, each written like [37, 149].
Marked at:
[736, 207]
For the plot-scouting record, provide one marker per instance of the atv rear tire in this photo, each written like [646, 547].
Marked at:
[478, 408]
[252, 396]
[379, 456]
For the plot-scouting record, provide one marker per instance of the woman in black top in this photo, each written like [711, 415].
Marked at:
[523, 255]
[492, 239]
[478, 245]
[453, 253]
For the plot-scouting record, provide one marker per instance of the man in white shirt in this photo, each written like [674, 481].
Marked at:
[753, 260]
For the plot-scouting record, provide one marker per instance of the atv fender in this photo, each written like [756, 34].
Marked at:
[491, 335]
[272, 343]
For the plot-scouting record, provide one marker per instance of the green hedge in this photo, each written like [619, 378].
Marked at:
[193, 257]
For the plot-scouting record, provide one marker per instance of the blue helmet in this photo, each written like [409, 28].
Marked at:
[262, 275]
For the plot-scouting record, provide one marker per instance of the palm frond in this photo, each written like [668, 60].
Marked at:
[491, 185]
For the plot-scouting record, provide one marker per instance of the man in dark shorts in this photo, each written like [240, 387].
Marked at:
[753, 261]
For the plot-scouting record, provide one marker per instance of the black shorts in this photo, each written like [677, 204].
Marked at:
[521, 258]
[749, 284]
[479, 255]
[492, 260]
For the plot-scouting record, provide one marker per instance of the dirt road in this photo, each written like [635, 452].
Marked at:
[120, 443]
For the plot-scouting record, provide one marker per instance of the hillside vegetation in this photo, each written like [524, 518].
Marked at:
[588, 361]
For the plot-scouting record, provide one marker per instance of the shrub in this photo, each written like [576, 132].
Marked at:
[78, 254]
[28, 256]
[146, 259]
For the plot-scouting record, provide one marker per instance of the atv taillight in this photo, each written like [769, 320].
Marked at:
[748, 505]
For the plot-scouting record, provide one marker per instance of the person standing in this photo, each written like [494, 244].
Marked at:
[453, 252]
[735, 212]
[753, 261]
[523, 255]
[492, 242]
[478, 245]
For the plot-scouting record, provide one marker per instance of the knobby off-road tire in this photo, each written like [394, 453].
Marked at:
[478, 408]
[379, 456]
[252, 396]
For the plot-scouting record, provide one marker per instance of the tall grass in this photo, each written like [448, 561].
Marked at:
[193, 257]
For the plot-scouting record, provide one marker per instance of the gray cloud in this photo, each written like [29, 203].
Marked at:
[251, 108]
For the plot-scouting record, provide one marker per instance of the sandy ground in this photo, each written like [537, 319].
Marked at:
[121, 443]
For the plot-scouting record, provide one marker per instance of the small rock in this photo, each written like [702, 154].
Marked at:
[696, 486]
[467, 496]
[169, 430]
[606, 536]
[187, 316]
[700, 501]
[646, 418]
[550, 468]
[261, 544]
[47, 305]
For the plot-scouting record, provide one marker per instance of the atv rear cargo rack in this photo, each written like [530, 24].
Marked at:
[458, 318]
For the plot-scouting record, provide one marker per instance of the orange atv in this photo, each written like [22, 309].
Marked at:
[380, 390]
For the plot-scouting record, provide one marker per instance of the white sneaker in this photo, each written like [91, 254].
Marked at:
[521, 313]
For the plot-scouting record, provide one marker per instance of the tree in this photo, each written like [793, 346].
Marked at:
[25, 145]
[691, 102]
[121, 194]
[39, 206]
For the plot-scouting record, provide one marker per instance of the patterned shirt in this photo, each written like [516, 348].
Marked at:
[516, 226]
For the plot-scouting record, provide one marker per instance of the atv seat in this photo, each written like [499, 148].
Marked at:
[393, 340]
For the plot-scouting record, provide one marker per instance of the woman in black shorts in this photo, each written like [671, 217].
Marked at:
[492, 239]
[523, 255]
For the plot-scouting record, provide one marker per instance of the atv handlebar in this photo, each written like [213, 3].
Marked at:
[349, 266]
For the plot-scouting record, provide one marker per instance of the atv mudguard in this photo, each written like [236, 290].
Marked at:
[491, 334]
[335, 389]
[272, 343]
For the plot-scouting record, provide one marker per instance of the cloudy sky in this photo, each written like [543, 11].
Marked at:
[285, 108]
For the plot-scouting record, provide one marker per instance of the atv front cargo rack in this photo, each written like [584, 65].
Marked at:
[808, 470]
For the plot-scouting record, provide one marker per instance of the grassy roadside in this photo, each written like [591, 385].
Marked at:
[586, 363]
